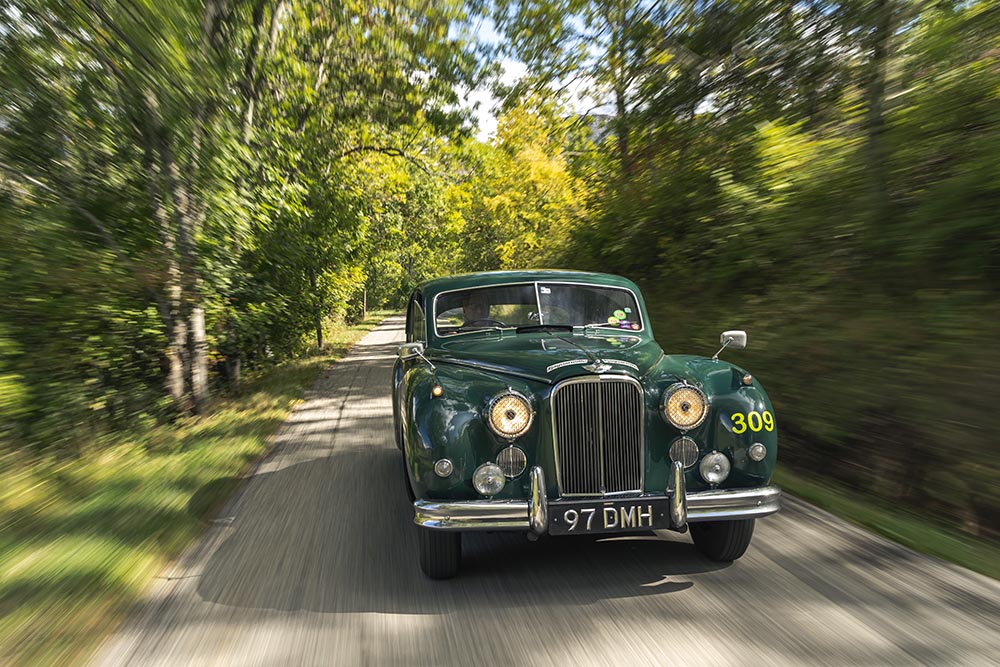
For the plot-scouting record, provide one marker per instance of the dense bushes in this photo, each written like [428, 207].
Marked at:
[870, 290]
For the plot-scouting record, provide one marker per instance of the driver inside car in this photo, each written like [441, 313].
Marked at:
[476, 307]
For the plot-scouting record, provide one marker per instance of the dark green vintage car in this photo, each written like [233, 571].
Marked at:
[539, 401]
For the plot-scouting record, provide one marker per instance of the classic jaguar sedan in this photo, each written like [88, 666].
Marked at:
[540, 402]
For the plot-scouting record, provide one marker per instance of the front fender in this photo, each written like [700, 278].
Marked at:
[722, 384]
[452, 426]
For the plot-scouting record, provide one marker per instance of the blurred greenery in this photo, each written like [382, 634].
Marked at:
[918, 531]
[82, 538]
[823, 175]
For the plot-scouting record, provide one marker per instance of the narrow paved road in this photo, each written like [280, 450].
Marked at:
[313, 563]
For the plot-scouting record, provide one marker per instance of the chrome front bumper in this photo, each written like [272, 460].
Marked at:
[532, 514]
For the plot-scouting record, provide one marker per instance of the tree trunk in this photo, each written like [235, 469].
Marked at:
[254, 72]
[318, 314]
[875, 118]
[176, 354]
[192, 310]
[172, 310]
[199, 356]
[621, 130]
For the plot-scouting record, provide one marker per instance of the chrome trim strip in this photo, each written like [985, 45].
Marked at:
[493, 368]
[726, 504]
[678, 498]
[538, 504]
[538, 302]
[471, 514]
[533, 515]
[555, 439]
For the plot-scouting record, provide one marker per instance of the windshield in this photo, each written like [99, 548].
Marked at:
[535, 304]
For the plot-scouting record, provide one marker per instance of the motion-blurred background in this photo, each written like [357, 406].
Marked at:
[198, 197]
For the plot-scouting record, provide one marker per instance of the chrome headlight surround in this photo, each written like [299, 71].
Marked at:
[671, 391]
[714, 468]
[495, 404]
[488, 479]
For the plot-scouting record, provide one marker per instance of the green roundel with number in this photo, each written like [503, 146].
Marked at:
[753, 421]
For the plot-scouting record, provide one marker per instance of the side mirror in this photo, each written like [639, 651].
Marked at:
[409, 351]
[736, 339]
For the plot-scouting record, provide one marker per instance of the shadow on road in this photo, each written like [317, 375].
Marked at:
[336, 535]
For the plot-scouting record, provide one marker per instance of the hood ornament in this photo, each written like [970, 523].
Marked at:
[597, 367]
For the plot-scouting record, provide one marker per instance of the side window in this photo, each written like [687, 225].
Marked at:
[415, 326]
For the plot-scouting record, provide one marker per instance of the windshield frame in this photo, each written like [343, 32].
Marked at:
[536, 283]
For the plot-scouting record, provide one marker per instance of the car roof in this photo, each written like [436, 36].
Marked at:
[486, 278]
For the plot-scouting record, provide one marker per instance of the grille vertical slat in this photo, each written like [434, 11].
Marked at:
[598, 436]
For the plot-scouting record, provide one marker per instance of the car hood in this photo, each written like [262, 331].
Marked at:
[550, 357]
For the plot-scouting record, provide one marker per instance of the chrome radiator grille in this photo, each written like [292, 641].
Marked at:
[597, 430]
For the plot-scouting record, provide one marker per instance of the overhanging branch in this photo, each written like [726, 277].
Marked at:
[391, 151]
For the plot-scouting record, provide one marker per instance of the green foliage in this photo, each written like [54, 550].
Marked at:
[82, 539]
[186, 186]
[519, 203]
[827, 179]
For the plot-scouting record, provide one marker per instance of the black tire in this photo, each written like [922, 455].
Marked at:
[722, 541]
[440, 552]
[406, 478]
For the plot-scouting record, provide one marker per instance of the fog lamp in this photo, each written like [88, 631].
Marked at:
[443, 467]
[684, 406]
[685, 450]
[488, 479]
[512, 461]
[509, 415]
[757, 451]
[714, 468]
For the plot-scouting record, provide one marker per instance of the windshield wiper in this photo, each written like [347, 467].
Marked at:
[544, 327]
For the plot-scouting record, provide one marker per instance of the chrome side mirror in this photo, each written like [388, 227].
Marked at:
[736, 339]
[409, 351]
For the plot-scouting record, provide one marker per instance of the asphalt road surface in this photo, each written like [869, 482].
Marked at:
[314, 563]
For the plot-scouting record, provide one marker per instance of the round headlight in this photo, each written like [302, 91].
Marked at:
[488, 479]
[684, 406]
[714, 468]
[510, 415]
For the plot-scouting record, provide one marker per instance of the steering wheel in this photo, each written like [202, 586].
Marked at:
[476, 323]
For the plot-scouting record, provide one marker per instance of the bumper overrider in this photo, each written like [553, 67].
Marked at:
[533, 514]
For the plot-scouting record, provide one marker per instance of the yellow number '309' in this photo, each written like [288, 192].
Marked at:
[755, 421]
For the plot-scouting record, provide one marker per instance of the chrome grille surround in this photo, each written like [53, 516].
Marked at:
[598, 435]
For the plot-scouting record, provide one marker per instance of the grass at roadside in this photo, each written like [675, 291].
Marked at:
[918, 533]
[81, 540]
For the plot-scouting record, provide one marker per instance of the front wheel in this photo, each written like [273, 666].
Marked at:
[406, 479]
[722, 541]
[440, 552]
